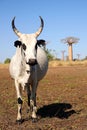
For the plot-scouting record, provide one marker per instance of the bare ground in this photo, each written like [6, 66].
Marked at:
[61, 101]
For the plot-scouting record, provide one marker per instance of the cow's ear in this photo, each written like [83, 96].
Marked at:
[41, 42]
[17, 43]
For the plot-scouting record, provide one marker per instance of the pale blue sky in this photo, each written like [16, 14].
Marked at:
[62, 18]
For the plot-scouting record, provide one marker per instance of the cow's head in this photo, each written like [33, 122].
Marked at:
[28, 43]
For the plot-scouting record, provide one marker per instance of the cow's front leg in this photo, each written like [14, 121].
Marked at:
[33, 102]
[19, 98]
[33, 109]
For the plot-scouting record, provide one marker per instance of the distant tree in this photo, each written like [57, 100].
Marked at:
[70, 41]
[49, 54]
[63, 51]
[78, 56]
[85, 58]
[7, 61]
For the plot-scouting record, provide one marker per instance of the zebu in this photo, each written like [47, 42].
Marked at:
[27, 67]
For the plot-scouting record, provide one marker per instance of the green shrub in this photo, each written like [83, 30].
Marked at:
[7, 61]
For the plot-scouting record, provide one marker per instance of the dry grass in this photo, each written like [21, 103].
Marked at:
[56, 63]
[2, 66]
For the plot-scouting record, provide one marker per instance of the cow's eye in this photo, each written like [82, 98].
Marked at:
[24, 46]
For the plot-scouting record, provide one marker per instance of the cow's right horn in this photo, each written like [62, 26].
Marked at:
[15, 29]
[41, 27]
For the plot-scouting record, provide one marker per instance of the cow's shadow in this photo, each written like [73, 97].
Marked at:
[59, 110]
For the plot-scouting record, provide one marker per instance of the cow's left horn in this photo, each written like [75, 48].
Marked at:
[15, 29]
[41, 27]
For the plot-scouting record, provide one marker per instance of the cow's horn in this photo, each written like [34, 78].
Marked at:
[15, 29]
[41, 27]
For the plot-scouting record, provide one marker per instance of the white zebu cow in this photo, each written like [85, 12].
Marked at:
[27, 67]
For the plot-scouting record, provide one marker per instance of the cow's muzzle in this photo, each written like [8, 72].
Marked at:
[32, 62]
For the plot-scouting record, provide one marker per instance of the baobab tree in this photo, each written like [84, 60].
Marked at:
[70, 41]
[78, 55]
[63, 51]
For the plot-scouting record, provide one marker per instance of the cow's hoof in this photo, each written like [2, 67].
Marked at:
[20, 121]
[34, 120]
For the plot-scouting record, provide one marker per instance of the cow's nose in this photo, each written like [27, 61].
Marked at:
[32, 62]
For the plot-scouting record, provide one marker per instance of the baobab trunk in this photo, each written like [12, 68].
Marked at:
[62, 56]
[70, 52]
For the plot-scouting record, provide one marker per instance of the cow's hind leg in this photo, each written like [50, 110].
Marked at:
[28, 95]
[19, 98]
[33, 102]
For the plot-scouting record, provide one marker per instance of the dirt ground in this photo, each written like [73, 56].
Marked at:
[61, 101]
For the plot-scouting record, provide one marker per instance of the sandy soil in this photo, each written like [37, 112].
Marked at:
[61, 101]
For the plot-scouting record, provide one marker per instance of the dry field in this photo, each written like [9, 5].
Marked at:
[61, 100]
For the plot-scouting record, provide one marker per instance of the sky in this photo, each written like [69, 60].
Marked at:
[62, 18]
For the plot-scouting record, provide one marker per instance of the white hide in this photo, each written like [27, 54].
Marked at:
[18, 66]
